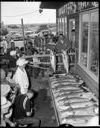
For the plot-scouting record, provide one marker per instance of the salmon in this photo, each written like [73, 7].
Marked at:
[76, 120]
[81, 104]
[53, 61]
[91, 110]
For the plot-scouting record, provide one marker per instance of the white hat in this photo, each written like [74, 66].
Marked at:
[21, 62]
[5, 89]
[5, 103]
[12, 53]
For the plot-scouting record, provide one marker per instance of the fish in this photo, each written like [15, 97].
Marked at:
[53, 61]
[76, 120]
[81, 104]
[65, 61]
[91, 110]
[64, 92]
[74, 100]
[81, 94]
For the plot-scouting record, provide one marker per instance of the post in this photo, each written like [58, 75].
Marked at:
[23, 33]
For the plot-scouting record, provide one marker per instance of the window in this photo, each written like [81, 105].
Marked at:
[66, 26]
[63, 25]
[84, 38]
[58, 24]
[89, 43]
[94, 45]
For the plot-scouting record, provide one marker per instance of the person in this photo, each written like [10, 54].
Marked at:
[17, 52]
[13, 48]
[8, 81]
[3, 59]
[29, 49]
[13, 86]
[6, 112]
[12, 60]
[20, 77]
[22, 109]
[51, 44]
[36, 70]
[4, 44]
[60, 45]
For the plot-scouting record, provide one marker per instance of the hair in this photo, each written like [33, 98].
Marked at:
[73, 30]
[17, 47]
[30, 42]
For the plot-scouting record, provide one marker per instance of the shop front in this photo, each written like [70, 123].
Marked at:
[79, 22]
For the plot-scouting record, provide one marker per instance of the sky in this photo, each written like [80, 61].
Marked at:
[13, 12]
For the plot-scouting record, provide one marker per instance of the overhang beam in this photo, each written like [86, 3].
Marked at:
[51, 5]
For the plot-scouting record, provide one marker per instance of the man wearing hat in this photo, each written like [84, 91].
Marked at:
[21, 77]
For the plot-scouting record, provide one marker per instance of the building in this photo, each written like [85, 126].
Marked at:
[79, 22]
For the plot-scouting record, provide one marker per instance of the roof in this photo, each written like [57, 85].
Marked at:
[51, 5]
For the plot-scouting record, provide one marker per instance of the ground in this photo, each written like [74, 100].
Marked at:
[45, 110]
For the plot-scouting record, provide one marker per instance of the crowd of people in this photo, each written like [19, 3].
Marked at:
[16, 105]
[16, 93]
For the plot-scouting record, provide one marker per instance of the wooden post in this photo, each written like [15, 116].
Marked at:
[23, 33]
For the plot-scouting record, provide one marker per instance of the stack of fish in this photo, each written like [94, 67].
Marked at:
[75, 103]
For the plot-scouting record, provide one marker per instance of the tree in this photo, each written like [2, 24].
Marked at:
[4, 31]
[42, 27]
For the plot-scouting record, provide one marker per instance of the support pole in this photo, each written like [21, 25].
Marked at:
[23, 33]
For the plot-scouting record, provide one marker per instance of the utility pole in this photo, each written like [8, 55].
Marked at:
[23, 33]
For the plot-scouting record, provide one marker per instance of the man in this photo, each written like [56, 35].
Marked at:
[4, 44]
[13, 48]
[60, 45]
[23, 110]
[20, 77]
[12, 60]
[3, 59]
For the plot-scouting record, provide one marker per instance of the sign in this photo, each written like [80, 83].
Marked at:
[73, 7]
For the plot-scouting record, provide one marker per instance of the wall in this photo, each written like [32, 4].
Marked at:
[93, 86]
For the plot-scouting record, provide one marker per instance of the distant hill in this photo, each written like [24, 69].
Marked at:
[28, 27]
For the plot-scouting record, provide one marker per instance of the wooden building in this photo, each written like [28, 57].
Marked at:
[79, 22]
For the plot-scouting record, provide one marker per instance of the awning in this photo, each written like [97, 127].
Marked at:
[51, 5]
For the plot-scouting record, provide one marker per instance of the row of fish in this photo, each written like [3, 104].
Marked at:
[75, 103]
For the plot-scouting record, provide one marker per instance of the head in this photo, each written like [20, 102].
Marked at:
[1, 50]
[2, 73]
[51, 39]
[12, 45]
[61, 36]
[29, 43]
[9, 74]
[21, 63]
[22, 66]
[30, 94]
[17, 49]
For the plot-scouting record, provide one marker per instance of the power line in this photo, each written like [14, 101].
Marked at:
[21, 14]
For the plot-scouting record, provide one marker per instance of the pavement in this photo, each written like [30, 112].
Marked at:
[43, 102]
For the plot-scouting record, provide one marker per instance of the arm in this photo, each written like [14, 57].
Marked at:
[28, 108]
